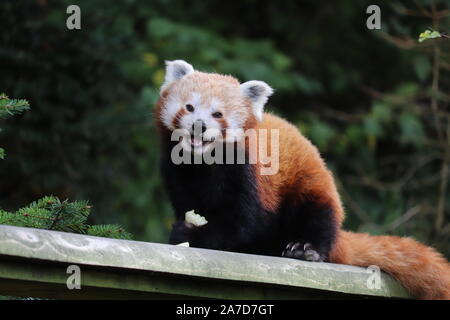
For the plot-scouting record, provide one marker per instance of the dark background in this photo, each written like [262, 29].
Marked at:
[375, 102]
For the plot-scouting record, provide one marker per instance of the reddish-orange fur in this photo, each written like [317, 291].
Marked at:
[421, 269]
[176, 119]
[303, 174]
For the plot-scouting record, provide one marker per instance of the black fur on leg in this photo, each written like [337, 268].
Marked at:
[181, 232]
[310, 231]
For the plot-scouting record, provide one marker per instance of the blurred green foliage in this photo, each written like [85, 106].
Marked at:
[375, 102]
[8, 108]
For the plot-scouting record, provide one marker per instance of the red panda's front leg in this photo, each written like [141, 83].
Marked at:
[312, 231]
[316, 212]
[181, 232]
[215, 235]
[234, 226]
[199, 237]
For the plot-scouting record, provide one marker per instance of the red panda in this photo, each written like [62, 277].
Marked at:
[295, 212]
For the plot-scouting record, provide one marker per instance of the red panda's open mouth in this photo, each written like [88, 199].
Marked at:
[196, 142]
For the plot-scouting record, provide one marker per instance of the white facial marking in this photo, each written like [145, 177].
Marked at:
[196, 99]
[170, 110]
[215, 104]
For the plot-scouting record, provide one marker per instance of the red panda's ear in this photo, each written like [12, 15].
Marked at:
[258, 92]
[175, 70]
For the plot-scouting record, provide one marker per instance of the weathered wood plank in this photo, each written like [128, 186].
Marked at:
[23, 279]
[38, 256]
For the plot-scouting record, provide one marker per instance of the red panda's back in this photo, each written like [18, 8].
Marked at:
[302, 171]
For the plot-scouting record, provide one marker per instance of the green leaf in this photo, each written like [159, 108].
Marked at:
[411, 129]
[381, 111]
[407, 89]
[372, 127]
[422, 66]
[308, 85]
[429, 34]
[355, 134]
[322, 133]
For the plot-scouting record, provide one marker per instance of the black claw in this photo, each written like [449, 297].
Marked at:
[302, 251]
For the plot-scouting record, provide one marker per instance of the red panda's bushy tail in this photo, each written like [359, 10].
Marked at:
[420, 269]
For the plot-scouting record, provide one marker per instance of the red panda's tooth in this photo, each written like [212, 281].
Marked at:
[196, 142]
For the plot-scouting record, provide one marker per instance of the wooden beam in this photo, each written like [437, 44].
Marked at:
[33, 262]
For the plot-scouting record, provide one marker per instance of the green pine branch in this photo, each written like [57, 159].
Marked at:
[52, 214]
[108, 231]
[10, 107]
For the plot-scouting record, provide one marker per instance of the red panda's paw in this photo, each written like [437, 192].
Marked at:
[181, 232]
[302, 251]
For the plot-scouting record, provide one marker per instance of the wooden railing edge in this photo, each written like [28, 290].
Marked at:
[34, 262]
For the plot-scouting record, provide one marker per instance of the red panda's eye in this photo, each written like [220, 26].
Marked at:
[190, 108]
[217, 115]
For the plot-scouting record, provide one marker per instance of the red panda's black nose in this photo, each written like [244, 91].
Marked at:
[197, 125]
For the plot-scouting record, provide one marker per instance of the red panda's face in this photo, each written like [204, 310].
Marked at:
[207, 108]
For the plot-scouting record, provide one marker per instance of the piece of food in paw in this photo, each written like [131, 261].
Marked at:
[195, 219]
